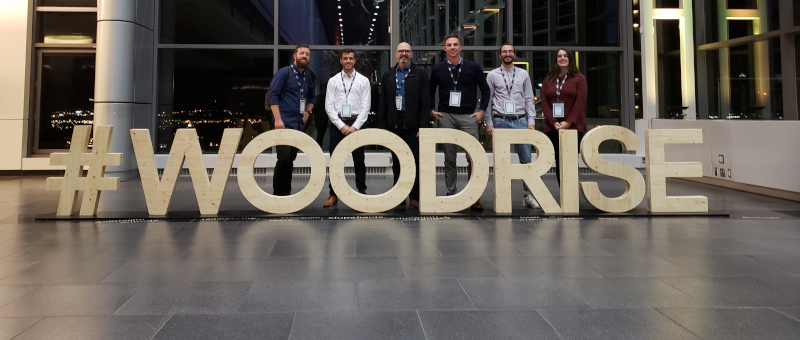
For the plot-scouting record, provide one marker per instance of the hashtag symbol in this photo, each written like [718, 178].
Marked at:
[75, 160]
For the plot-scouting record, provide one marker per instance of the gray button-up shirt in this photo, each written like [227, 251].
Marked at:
[521, 93]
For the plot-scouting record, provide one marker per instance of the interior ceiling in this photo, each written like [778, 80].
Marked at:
[357, 16]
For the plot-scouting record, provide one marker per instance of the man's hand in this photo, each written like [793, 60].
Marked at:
[305, 116]
[436, 114]
[279, 124]
[353, 129]
[345, 130]
[478, 115]
[489, 130]
[531, 127]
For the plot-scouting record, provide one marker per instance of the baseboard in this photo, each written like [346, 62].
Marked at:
[784, 194]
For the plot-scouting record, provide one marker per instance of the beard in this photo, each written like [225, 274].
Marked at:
[302, 63]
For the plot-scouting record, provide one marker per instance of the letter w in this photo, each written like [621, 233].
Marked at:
[185, 146]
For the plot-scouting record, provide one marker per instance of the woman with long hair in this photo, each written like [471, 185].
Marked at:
[563, 99]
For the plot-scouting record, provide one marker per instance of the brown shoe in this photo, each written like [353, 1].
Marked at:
[414, 204]
[331, 201]
[477, 206]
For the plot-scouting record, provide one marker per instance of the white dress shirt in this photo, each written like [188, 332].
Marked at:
[500, 80]
[353, 90]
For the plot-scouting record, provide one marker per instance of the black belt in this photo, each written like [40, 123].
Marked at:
[510, 117]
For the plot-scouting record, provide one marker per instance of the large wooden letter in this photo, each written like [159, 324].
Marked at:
[277, 204]
[531, 173]
[372, 203]
[429, 202]
[186, 144]
[634, 183]
[658, 170]
[568, 158]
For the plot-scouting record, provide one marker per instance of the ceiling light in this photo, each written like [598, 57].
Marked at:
[373, 19]
[370, 30]
[376, 13]
[340, 19]
[340, 7]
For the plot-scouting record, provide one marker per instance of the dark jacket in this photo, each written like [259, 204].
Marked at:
[470, 79]
[418, 101]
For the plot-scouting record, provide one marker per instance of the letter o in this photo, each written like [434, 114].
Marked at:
[372, 203]
[279, 204]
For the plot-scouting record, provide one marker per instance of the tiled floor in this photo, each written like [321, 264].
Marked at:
[458, 276]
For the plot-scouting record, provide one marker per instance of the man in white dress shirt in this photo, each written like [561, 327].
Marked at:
[347, 103]
[511, 106]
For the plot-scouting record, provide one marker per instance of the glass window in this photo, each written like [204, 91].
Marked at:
[667, 4]
[334, 22]
[742, 4]
[67, 3]
[211, 90]
[67, 27]
[65, 97]
[217, 22]
[602, 23]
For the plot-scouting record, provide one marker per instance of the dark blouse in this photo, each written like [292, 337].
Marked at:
[573, 95]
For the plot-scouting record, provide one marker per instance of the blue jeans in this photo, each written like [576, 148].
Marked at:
[523, 150]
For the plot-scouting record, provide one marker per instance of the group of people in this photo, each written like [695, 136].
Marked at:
[407, 104]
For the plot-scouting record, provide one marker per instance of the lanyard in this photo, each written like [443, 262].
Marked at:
[301, 85]
[344, 87]
[455, 80]
[513, 75]
[400, 84]
[559, 85]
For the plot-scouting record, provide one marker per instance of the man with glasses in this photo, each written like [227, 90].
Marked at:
[457, 80]
[405, 108]
[511, 106]
[347, 102]
[291, 99]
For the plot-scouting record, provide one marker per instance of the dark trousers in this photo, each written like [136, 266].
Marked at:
[282, 179]
[358, 158]
[411, 139]
[553, 135]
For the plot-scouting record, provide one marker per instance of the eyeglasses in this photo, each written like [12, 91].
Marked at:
[507, 52]
[404, 51]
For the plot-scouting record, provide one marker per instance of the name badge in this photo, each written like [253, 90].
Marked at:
[455, 99]
[347, 111]
[302, 105]
[558, 110]
[510, 107]
[398, 102]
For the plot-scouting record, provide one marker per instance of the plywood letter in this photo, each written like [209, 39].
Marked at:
[372, 203]
[658, 170]
[429, 202]
[634, 183]
[531, 173]
[186, 145]
[281, 204]
[568, 158]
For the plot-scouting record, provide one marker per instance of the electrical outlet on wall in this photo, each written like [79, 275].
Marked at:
[722, 173]
[721, 159]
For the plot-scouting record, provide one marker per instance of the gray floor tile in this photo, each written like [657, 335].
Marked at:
[11, 327]
[485, 325]
[10, 293]
[635, 266]
[740, 323]
[160, 271]
[384, 248]
[559, 247]
[521, 294]
[357, 325]
[11, 247]
[726, 265]
[294, 296]
[792, 312]
[95, 327]
[305, 231]
[478, 248]
[355, 268]
[614, 324]
[204, 251]
[63, 272]
[228, 326]
[500, 232]
[260, 270]
[69, 300]
[740, 291]
[314, 248]
[448, 267]
[186, 298]
[719, 247]
[637, 247]
[785, 262]
[776, 246]
[412, 295]
[218, 232]
[630, 293]
[138, 233]
[354, 233]
[142, 251]
[568, 229]
[57, 252]
[429, 232]
[9, 268]
[543, 267]
[54, 235]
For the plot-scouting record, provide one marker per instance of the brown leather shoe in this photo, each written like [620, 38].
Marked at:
[477, 206]
[331, 201]
[414, 204]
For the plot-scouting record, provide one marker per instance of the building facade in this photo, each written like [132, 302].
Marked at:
[206, 64]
